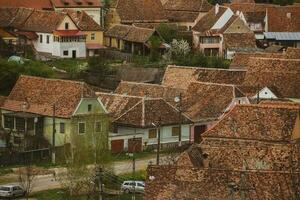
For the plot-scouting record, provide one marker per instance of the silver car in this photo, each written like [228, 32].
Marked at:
[11, 191]
[133, 186]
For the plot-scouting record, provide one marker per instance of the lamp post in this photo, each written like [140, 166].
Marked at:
[178, 100]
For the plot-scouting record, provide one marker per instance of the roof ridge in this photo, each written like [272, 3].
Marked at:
[216, 84]
[206, 68]
[129, 110]
[53, 79]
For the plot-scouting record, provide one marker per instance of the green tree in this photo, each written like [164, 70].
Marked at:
[167, 32]
[155, 43]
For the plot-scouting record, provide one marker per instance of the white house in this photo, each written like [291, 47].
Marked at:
[141, 118]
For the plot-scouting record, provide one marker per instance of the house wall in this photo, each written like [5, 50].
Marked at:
[98, 37]
[44, 46]
[60, 47]
[112, 18]
[265, 93]
[238, 26]
[94, 13]
[165, 133]
[113, 42]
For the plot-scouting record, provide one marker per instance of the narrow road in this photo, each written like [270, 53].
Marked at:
[46, 182]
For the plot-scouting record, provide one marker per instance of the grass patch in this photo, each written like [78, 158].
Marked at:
[139, 175]
[139, 155]
[72, 66]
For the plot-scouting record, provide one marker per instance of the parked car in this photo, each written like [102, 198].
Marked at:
[131, 186]
[11, 191]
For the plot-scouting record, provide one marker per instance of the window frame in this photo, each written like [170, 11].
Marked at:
[149, 133]
[93, 36]
[65, 54]
[175, 134]
[67, 26]
[41, 38]
[13, 122]
[81, 133]
[48, 39]
[62, 127]
[90, 107]
[95, 125]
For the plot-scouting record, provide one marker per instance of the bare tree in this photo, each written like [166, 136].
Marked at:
[27, 177]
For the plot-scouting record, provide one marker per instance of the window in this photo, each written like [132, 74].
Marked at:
[175, 131]
[66, 53]
[9, 122]
[48, 39]
[41, 38]
[93, 36]
[152, 133]
[66, 26]
[90, 107]
[30, 124]
[81, 128]
[20, 123]
[62, 127]
[98, 127]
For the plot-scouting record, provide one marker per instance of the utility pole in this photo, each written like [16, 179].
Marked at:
[53, 134]
[133, 169]
[180, 120]
[158, 143]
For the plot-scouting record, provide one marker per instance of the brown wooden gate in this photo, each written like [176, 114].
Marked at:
[134, 145]
[117, 146]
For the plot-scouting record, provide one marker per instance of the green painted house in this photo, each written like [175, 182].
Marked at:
[36, 104]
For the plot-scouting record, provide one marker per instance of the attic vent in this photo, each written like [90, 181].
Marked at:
[289, 15]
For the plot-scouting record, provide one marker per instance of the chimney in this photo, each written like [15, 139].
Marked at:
[217, 9]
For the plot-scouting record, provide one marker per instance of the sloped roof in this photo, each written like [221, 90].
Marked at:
[208, 20]
[84, 21]
[282, 74]
[14, 17]
[134, 11]
[36, 4]
[292, 53]
[239, 40]
[76, 3]
[190, 5]
[130, 33]
[39, 94]
[269, 122]
[207, 101]
[255, 17]
[242, 1]
[148, 90]
[249, 7]
[181, 77]
[181, 16]
[140, 112]
[280, 21]
[43, 21]
[2, 99]
[184, 182]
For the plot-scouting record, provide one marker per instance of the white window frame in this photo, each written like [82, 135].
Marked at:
[100, 127]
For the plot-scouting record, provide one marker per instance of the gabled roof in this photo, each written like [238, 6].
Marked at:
[134, 11]
[148, 90]
[76, 3]
[43, 21]
[208, 20]
[36, 4]
[190, 6]
[130, 33]
[283, 19]
[14, 17]
[282, 74]
[40, 94]
[181, 77]
[208, 101]
[83, 21]
[139, 111]
[269, 122]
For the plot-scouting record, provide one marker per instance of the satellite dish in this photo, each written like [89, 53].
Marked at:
[177, 99]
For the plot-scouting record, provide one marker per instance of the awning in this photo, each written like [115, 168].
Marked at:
[21, 114]
[68, 33]
[95, 46]
[292, 36]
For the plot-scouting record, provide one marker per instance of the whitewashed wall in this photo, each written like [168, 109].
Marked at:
[44, 46]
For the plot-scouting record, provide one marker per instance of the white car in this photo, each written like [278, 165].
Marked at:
[11, 191]
[133, 186]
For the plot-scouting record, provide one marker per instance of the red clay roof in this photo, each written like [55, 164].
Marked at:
[39, 94]
[83, 20]
[190, 6]
[134, 11]
[36, 4]
[76, 3]
[283, 19]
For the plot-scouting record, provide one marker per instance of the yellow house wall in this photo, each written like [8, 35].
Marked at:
[112, 18]
[98, 37]
[60, 138]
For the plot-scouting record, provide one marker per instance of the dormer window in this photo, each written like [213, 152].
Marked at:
[66, 26]
[89, 107]
[289, 15]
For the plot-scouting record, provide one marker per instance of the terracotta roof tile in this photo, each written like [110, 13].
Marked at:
[76, 3]
[140, 112]
[14, 17]
[280, 21]
[84, 21]
[40, 94]
[134, 11]
[282, 74]
[191, 5]
[208, 20]
[181, 16]
[249, 7]
[181, 77]
[292, 53]
[36, 4]
[239, 40]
